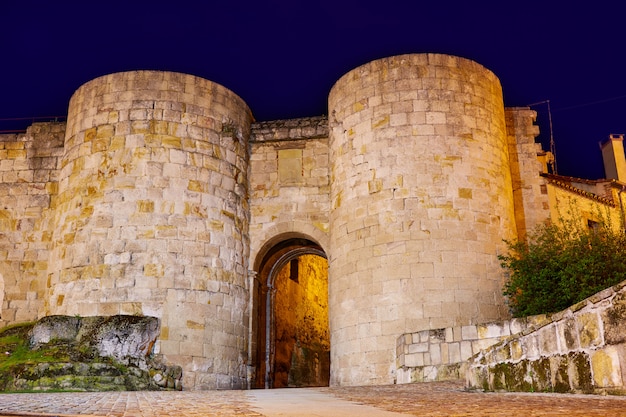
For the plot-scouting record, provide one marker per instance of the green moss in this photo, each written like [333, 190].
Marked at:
[541, 371]
[523, 376]
[499, 372]
[485, 384]
[580, 362]
[62, 366]
[561, 375]
[517, 377]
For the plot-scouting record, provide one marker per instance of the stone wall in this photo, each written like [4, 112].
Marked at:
[290, 183]
[289, 199]
[302, 348]
[29, 165]
[527, 160]
[442, 354]
[581, 349]
[569, 201]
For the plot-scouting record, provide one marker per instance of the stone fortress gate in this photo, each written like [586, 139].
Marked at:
[281, 253]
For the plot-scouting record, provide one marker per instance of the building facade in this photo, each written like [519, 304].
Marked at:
[281, 253]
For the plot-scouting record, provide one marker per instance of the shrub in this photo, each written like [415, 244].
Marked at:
[561, 265]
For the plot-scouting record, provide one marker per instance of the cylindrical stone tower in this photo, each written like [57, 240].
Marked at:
[421, 202]
[152, 216]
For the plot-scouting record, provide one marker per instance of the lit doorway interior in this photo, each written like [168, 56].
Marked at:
[293, 338]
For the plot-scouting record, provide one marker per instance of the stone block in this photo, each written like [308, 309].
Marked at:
[516, 349]
[466, 350]
[170, 347]
[481, 344]
[435, 354]
[109, 309]
[491, 330]
[590, 334]
[449, 335]
[419, 347]
[191, 348]
[454, 352]
[613, 319]
[530, 346]
[568, 335]
[606, 368]
[445, 353]
[469, 332]
[547, 340]
[457, 334]
[414, 359]
[403, 376]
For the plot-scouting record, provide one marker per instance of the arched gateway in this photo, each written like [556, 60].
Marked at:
[291, 310]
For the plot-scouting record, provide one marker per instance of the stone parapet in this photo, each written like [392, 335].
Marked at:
[291, 129]
[581, 349]
[442, 354]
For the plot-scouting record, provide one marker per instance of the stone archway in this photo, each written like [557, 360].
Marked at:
[293, 338]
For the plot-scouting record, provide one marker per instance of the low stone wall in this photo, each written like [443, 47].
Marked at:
[442, 354]
[580, 350]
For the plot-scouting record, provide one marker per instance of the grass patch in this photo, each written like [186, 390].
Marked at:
[16, 355]
[15, 349]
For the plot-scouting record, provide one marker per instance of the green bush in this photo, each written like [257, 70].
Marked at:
[562, 265]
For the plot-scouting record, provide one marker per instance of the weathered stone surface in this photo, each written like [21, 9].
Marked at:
[123, 337]
[580, 349]
[589, 330]
[119, 337]
[614, 319]
[107, 353]
[55, 328]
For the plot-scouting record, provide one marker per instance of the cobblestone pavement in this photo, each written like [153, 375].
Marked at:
[128, 404]
[429, 399]
[450, 399]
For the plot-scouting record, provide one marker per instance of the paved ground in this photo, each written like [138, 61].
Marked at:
[429, 399]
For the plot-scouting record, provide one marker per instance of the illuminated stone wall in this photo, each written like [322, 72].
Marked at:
[290, 184]
[28, 181]
[302, 335]
[602, 202]
[578, 350]
[421, 200]
[152, 216]
[527, 160]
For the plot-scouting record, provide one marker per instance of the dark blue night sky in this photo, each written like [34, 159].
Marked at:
[282, 57]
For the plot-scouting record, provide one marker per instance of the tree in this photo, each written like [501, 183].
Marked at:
[561, 265]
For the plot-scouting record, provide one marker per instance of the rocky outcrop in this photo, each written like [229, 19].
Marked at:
[94, 354]
[127, 339]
